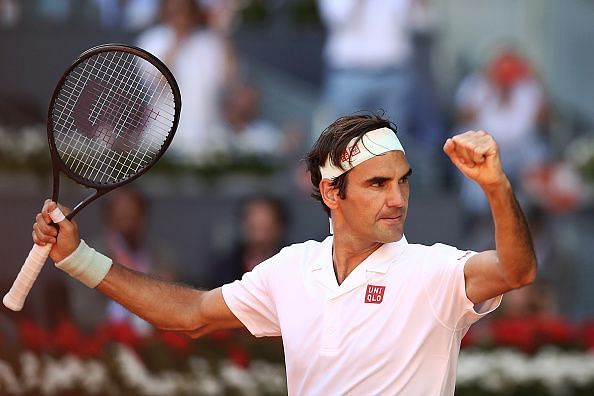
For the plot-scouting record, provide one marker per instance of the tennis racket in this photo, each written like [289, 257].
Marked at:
[113, 114]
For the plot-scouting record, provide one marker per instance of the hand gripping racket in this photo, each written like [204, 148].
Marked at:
[112, 116]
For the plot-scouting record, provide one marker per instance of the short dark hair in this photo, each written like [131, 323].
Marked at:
[333, 142]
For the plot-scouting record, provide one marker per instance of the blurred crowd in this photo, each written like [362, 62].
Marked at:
[377, 58]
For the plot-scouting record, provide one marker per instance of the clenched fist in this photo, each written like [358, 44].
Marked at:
[64, 241]
[476, 155]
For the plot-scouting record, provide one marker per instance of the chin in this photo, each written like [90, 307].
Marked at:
[393, 236]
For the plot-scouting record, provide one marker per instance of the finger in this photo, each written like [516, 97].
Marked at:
[45, 211]
[484, 147]
[64, 209]
[41, 236]
[46, 217]
[43, 230]
[455, 159]
[48, 205]
[448, 147]
[475, 146]
[36, 240]
[451, 149]
[478, 154]
[67, 227]
[44, 226]
[462, 151]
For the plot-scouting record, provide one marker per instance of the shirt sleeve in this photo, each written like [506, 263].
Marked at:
[446, 288]
[252, 302]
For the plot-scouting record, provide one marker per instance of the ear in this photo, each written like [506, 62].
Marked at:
[329, 194]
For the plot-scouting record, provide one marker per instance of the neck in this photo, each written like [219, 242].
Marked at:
[347, 254]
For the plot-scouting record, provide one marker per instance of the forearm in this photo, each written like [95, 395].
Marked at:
[165, 305]
[515, 251]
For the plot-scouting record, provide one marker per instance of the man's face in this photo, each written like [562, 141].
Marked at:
[376, 200]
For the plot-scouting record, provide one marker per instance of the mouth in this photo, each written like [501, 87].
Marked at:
[393, 219]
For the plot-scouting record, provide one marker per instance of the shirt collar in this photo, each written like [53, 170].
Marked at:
[379, 261]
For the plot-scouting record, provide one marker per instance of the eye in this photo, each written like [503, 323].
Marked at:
[378, 183]
[404, 179]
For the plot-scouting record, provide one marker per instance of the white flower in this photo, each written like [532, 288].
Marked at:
[137, 376]
[503, 369]
[60, 375]
[95, 378]
[8, 379]
[30, 370]
[271, 377]
[238, 378]
[205, 383]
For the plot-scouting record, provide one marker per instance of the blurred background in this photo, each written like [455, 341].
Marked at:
[260, 80]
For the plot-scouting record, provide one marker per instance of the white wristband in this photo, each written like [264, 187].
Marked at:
[86, 264]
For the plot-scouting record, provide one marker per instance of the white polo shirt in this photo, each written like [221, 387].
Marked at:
[392, 327]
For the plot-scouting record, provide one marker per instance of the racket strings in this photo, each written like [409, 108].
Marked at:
[112, 117]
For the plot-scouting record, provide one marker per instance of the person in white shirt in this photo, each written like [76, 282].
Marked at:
[368, 54]
[364, 311]
[508, 100]
[202, 61]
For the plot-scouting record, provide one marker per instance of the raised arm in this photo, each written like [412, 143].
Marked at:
[165, 305]
[513, 263]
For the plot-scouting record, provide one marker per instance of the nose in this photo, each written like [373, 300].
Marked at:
[396, 197]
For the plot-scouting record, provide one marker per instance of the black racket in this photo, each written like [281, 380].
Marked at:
[112, 116]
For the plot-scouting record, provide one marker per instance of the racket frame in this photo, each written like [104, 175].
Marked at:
[16, 296]
[58, 164]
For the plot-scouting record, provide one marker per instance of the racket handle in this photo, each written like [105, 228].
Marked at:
[15, 298]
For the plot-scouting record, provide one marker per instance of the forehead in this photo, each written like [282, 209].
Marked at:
[392, 164]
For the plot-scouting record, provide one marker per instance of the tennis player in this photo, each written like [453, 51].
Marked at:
[362, 312]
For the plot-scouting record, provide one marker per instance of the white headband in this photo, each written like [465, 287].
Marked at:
[373, 143]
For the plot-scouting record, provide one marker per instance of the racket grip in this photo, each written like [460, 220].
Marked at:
[15, 298]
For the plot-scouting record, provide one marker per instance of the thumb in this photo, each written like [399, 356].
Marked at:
[449, 147]
[58, 214]
[66, 211]
[55, 211]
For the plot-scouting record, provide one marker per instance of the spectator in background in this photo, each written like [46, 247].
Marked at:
[202, 61]
[508, 100]
[243, 132]
[377, 59]
[125, 213]
[368, 53]
[263, 223]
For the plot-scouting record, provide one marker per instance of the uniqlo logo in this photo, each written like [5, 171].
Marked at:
[375, 294]
[348, 154]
